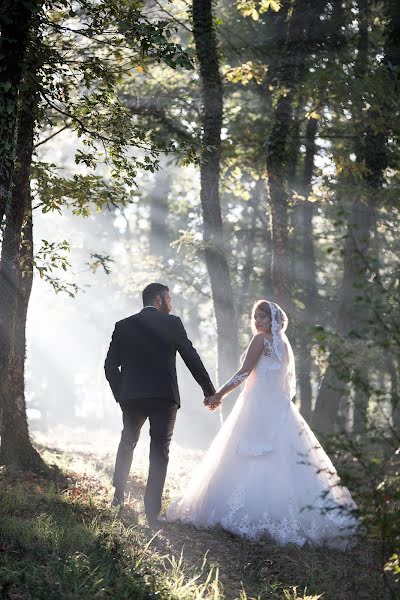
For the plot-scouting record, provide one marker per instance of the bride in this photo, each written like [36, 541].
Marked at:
[265, 474]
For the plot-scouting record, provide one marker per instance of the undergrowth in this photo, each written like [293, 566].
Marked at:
[59, 540]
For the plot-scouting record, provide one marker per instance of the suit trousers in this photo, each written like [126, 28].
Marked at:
[161, 413]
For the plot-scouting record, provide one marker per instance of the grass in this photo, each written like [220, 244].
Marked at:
[60, 540]
[55, 546]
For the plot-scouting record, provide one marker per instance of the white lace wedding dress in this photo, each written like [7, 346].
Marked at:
[265, 474]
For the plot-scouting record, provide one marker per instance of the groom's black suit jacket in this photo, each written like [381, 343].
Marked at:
[144, 347]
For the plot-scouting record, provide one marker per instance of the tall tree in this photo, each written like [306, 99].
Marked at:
[370, 148]
[277, 159]
[158, 198]
[17, 269]
[307, 276]
[215, 254]
[334, 383]
[301, 39]
[15, 21]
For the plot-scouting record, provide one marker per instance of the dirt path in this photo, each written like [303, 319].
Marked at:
[263, 569]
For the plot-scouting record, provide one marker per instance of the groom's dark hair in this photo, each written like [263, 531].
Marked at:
[151, 291]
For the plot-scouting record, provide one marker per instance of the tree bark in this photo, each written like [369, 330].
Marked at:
[361, 402]
[393, 371]
[392, 62]
[338, 372]
[248, 244]
[276, 162]
[264, 216]
[370, 150]
[159, 236]
[16, 448]
[299, 41]
[392, 43]
[15, 21]
[281, 162]
[293, 185]
[373, 153]
[215, 254]
[307, 275]
[16, 271]
[9, 283]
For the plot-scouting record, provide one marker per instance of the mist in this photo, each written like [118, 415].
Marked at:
[69, 401]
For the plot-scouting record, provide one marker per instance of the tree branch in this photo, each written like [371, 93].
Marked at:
[50, 137]
[151, 110]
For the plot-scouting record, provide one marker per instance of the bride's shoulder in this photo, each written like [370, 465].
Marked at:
[262, 337]
[258, 339]
[254, 350]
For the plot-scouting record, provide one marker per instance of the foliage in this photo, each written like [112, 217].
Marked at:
[80, 193]
[253, 8]
[78, 57]
[87, 50]
[370, 468]
[52, 257]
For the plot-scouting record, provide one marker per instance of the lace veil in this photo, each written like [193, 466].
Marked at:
[282, 348]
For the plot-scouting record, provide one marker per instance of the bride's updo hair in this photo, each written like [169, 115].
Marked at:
[260, 305]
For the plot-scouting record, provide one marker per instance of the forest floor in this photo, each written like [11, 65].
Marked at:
[61, 540]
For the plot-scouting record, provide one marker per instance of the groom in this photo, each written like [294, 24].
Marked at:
[141, 370]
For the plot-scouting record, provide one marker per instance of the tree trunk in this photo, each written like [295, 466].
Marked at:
[353, 312]
[9, 282]
[264, 217]
[159, 236]
[352, 316]
[215, 255]
[16, 270]
[394, 392]
[248, 244]
[279, 158]
[292, 183]
[334, 383]
[361, 403]
[276, 162]
[16, 448]
[308, 277]
[392, 62]
[392, 45]
[15, 21]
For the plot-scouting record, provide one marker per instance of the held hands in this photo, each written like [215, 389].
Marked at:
[213, 402]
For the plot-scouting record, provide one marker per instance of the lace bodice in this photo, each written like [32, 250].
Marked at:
[269, 355]
[268, 364]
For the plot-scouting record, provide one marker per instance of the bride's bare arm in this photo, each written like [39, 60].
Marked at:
[250, 360]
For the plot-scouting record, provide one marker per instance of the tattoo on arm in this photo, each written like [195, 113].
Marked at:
[237, 379]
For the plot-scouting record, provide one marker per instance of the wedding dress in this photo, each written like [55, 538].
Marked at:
[265, 474]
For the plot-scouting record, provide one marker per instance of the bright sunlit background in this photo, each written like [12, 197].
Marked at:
[69, 400]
